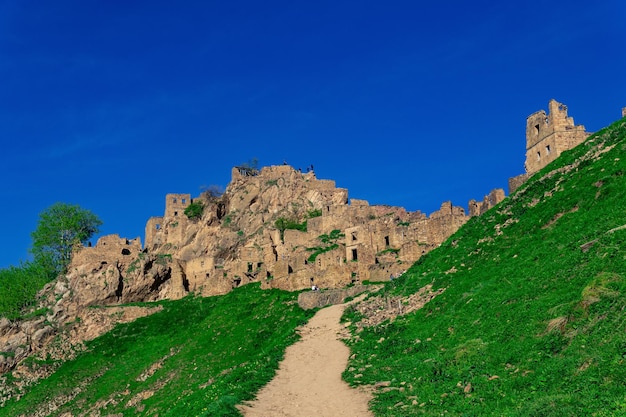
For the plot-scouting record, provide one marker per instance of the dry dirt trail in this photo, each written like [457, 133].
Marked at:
[308, 382]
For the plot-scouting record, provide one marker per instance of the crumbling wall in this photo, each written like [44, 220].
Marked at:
[490, 200]
[175, 204]
[547, 136]
[107, 247]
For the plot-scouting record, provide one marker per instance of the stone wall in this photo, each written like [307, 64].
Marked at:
[478, 208]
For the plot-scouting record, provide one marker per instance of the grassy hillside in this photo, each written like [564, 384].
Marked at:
[197, 357]
[532, 321]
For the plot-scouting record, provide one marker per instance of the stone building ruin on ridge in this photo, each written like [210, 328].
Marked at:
[236, 241]
[547, 136]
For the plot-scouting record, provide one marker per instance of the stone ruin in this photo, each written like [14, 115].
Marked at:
[237, 241]
[547, 136]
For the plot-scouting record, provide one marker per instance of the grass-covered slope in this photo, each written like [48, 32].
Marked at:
[197, 357]
[532, 321]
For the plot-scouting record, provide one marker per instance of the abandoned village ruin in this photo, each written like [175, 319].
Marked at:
[237, 240]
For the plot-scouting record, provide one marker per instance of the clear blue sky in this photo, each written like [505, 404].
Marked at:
[111, 105]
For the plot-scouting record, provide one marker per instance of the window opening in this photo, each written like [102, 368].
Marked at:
[548, 149]
[386, 240]
[537, 129]
[353, 236]
[354, 255]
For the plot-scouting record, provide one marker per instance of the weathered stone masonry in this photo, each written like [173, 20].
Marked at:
[236, 241]
[547, 136]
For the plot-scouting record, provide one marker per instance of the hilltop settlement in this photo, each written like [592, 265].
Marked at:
[278, 226]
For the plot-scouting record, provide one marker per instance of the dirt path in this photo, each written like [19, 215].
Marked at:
[308, 381]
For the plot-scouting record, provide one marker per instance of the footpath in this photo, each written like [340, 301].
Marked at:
[308, 381]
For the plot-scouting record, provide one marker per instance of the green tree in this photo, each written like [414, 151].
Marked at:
[61, 227]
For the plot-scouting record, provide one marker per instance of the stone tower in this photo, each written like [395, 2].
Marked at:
[547, 136]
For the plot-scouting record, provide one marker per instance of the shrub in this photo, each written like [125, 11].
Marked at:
[314, 213]
[283, 224]
[19, 287]
[194, 210]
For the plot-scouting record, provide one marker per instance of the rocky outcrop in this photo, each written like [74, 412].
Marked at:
[57, 332]
[325, 240]
[278, 226]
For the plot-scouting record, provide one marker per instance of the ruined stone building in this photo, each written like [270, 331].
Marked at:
[277, 226]
[547, 136]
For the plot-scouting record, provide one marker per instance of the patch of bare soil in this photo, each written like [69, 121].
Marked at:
[308, 381]
[375, 310]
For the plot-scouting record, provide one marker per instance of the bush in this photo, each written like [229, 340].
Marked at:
[19, 287]
[194, 210]
[283, 224]
[314, 213]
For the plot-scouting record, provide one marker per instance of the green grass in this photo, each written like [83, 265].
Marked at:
[530, 324]
[199, 356]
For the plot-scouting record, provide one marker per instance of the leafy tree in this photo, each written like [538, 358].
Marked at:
[61, 227]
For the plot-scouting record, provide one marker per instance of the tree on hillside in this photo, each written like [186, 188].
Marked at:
[61, 227]
[212, 192]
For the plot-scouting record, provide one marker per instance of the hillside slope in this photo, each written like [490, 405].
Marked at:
[198, 356]
[526, 319]
[531, 320]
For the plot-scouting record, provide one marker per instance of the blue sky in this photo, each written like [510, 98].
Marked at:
[111, 105]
